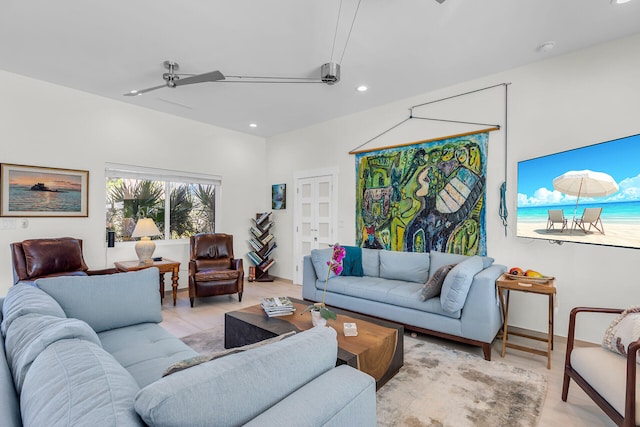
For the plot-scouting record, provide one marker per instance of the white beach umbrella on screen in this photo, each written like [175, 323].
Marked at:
[585, 183]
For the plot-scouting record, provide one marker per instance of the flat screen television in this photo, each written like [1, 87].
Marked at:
[555, 212]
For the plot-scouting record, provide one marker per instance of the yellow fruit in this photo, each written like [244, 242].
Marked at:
[532, 273]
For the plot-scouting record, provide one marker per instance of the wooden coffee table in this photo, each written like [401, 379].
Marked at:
[378, 349]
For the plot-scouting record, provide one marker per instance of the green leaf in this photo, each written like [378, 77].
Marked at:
[327, 314]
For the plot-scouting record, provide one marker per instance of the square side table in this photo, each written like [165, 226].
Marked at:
[505, 286]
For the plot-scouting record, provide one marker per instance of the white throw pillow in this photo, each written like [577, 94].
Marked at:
[624, 330]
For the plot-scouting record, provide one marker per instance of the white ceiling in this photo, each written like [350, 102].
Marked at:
[398, 48]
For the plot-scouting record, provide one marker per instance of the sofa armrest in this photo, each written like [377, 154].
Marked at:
[243, 384]
[309, 279]
[342, 396]
[481, 312]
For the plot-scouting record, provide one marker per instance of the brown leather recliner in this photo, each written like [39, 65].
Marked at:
[37, 258]
[212, 268]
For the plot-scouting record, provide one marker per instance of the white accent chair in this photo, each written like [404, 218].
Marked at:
[609, 379]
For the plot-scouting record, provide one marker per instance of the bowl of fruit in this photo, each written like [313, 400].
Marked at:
[517, 273]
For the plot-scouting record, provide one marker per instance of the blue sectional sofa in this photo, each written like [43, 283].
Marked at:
[89, 351]
[467, 309]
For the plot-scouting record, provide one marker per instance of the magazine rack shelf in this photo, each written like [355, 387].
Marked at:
[262, 244]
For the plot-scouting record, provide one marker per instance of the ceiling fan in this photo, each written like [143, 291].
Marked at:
[329, 74]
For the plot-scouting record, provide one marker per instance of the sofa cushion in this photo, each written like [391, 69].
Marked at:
[434, 285]
[209, 275]
[408, 266]
[9, 404]
[371, 262]
[43, 256]
[23, 299]
[438, 259]
[108, 301]
[457, 283]
[30, 334]
[320, 259]
[75, 382]
[235, 389]
[606, 372]
[145, 350]
[397, 293]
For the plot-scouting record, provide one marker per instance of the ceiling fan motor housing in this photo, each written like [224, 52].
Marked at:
[330, 73]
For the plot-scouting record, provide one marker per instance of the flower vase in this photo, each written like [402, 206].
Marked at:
[317, 319]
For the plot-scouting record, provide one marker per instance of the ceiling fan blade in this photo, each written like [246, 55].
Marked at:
[141, 91]
[212, 76]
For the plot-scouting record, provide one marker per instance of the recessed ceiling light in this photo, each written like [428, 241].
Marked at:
[362, 88]
[546, 46]
[619, 1]
[253, 125]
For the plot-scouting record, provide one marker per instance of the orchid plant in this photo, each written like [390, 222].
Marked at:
[335, 266]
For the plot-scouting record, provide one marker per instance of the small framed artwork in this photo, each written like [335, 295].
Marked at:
[34, 191]
[279, 196]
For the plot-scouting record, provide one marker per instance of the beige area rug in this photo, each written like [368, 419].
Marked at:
[442, 387]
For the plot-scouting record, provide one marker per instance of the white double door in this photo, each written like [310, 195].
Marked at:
[315, 221]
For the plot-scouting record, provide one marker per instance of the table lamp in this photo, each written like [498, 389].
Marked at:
[145, 227]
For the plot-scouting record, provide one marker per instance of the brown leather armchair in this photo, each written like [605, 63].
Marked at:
[37, 258]
[212, 268]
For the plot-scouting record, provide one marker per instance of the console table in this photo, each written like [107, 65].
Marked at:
[164, 265]
[506, 285]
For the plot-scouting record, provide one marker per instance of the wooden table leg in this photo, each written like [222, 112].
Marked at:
[161, 287]
[174, 284]
[550, 332]
[505, 315]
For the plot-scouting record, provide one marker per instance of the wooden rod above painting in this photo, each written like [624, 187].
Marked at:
[368, 150]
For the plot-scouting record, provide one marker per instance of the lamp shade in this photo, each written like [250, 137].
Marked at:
[145, 227]
[145, 247]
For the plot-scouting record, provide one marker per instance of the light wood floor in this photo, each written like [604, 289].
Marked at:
[579, 410]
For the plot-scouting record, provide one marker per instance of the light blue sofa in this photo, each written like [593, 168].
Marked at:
[467, 310]
[89, 351]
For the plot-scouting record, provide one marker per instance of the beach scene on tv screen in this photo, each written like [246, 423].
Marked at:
[586, 195]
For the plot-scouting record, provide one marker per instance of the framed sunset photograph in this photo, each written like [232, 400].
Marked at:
[34, 191]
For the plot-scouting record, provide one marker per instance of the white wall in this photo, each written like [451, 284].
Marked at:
[47, 125]
[554, 105]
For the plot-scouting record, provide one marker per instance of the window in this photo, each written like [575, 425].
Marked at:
[180, 203]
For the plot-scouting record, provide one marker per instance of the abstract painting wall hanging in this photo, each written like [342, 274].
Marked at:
[422, 197]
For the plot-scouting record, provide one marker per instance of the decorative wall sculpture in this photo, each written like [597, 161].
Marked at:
[427, 196]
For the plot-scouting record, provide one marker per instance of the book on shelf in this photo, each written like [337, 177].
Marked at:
[256, 244]
[277, 306]
[267, 239]
[271, 248]
[255, 258]
[266, 264]
[256, 231]
[266, 226]
[263, 217]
